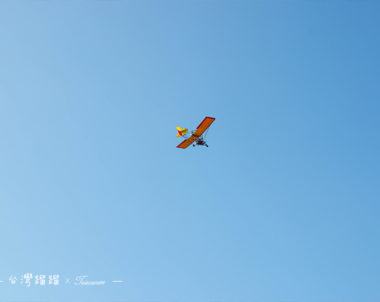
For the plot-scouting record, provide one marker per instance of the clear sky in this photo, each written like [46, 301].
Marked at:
[283, 205]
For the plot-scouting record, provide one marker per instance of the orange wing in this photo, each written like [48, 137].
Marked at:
[187, 142]
[203, 126]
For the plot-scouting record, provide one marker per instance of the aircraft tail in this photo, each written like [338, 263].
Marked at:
[181, 131]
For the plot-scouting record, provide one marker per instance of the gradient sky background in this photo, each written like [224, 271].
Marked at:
[283, 205]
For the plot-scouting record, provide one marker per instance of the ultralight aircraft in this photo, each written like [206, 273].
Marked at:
[197, 137]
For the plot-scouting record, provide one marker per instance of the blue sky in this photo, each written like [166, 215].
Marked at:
[283, 205]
